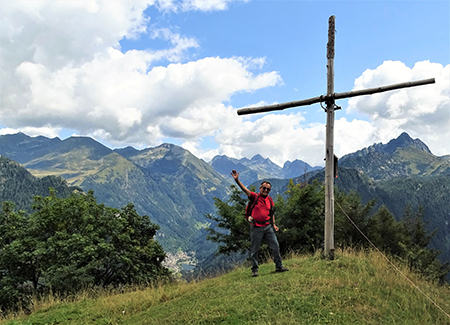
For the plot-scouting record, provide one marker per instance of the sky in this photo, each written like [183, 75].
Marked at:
[144, 72]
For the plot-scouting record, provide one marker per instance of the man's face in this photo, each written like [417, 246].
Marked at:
[265, 189]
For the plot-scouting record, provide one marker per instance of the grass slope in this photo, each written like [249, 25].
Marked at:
[355, 288]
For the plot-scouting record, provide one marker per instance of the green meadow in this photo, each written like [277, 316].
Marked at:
[355, 288]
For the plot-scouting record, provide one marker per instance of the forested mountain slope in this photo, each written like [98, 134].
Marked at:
[19, 186]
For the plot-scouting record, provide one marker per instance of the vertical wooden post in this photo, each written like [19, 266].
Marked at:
[329, 154]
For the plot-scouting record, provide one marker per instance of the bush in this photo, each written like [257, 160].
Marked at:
[74, 243]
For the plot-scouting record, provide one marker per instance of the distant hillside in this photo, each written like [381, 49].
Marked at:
[355, 288]
[167, 183]
[258, 168]
[400, 173]
[19, 186]
[400, 157]
[431, 193]
[23, 148]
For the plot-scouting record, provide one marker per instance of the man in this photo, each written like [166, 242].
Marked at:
[260, 227]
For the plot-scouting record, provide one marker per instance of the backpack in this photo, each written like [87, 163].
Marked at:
[251, 205]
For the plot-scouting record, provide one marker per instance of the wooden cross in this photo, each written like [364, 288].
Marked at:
[329, 99]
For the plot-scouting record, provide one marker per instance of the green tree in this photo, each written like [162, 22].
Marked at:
[346, 234]
[74, 243]
[81, 243]
[16, 265]
[230, 229]
[386, 233]
[407, 239]
[301, 217]
[420, 258]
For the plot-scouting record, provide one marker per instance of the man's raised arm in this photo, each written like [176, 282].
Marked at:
[235, 175]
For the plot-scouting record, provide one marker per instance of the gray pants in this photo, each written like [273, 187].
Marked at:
[257, 234]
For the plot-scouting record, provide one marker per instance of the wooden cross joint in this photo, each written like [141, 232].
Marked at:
[329, 100]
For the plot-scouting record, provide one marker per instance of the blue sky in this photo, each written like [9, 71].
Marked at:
[141, 73]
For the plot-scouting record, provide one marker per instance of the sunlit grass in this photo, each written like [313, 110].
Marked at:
[356, 288]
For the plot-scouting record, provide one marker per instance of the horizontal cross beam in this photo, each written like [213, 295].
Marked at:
[325, 98]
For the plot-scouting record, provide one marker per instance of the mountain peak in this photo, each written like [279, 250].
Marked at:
[166, 145]
[257, 158]
[404, 141]
[400, 157]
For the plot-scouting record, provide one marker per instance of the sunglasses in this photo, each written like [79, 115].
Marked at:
[266, 189]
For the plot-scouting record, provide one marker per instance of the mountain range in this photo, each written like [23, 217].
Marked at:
[167, 183]
[176, 189]
[398, 158]
[258, 168]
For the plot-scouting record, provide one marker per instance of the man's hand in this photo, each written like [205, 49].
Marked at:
[235, 175]
[275, 227]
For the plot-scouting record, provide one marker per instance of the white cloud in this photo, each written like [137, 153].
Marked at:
[352, 135]
[280, 137]
[65, 70]
[206, 5]
[179, 44]
[423, 112]
[67, 32]
[48, 132]
[115, 92]
[283, 137]
[199, 121]
[194, 5]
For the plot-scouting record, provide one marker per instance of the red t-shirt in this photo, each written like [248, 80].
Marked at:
[261, 211]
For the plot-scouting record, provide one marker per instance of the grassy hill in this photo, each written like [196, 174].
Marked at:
[355, 288]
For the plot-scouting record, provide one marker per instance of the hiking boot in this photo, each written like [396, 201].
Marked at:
[281, 269]
[254, 273]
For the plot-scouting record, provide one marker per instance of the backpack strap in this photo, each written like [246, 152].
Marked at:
[250, 206]
[271, 207]
[253, 204]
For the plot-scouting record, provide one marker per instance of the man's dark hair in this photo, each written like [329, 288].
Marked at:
[266, 182]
